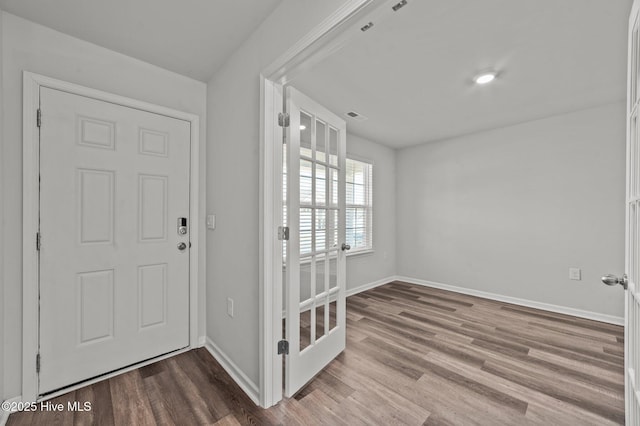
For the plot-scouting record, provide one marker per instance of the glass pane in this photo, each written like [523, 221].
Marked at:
[333, 315]
[333, 146]
[305, 134]
[306, 180]
[321, 135]
[334, 187]
[349, 193]
[305, 231]
[321, 227]
[333, 269]
[320, 321]
[358, 193]
[321, 185]
[332, 228]
[355, 172]
[351, 217]
[305, 329]
[284, 173]
[320, 274]
[305, 281]
[284, 196]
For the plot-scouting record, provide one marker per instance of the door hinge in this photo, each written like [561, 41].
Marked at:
[38, 241]
[283, 233]
[399, 5]
[38, 363]
[283, 347]
[39, 118]
[283, 119]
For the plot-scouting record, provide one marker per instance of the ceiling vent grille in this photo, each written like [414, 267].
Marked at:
[355, 116]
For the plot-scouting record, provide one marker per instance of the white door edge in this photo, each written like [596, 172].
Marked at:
[30, 138]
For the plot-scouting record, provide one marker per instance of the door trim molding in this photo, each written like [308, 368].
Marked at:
[30, 204]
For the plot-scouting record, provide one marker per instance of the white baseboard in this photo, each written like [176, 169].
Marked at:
[4, 415]
[368, 286]
[610, 319]
[245, 383]
[202, 341]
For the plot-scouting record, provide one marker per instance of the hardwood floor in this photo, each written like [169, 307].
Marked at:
[414, 355]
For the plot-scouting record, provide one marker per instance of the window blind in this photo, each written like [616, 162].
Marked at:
[359, 205]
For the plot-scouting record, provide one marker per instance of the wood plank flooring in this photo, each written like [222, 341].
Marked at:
[414, 356]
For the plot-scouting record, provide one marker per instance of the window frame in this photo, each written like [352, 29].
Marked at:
[367, 206]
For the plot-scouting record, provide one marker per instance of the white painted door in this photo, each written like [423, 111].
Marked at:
[632, 295]
[114, 285]
[315, 268]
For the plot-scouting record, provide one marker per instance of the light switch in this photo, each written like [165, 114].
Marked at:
[575, 274]
[211, 221]
[230, 307]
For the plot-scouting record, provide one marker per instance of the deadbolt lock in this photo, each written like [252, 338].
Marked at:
[182, 226]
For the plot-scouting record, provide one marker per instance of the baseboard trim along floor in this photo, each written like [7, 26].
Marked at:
[245, 383]
[609, 319]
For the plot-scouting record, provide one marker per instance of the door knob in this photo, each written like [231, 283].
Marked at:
[182, 246]
[613, 280]
[345, 247]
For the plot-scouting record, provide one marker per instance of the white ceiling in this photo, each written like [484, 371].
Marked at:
[190, 37]
[412, 73]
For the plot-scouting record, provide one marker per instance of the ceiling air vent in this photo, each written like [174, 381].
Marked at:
[356, 116]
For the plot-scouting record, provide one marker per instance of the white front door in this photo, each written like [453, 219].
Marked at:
[632, 296]
[315, 267]
[114, 265]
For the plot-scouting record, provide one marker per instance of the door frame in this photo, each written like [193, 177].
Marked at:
[343, 26]
[31, 210]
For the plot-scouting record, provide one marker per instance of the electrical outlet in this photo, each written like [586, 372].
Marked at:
[211, 221]
[575, 274]
[230, 307]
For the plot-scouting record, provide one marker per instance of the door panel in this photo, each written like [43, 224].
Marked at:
[632, 295]
[114, 287]
[315, 279]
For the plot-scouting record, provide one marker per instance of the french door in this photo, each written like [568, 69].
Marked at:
[315, 252]
[632, 295]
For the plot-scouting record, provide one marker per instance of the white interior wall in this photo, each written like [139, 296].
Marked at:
[380, 265]
[32, 47]
[233, 179]
[508, 211]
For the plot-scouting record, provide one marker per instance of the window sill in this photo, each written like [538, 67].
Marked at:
[360, 252]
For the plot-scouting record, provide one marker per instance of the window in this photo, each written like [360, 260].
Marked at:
[359, 229]
[359, 206]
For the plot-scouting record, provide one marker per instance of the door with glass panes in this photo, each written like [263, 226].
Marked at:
[315, 253]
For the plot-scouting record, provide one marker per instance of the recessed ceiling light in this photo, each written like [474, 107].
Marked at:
[485, 77]
[302, 127]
